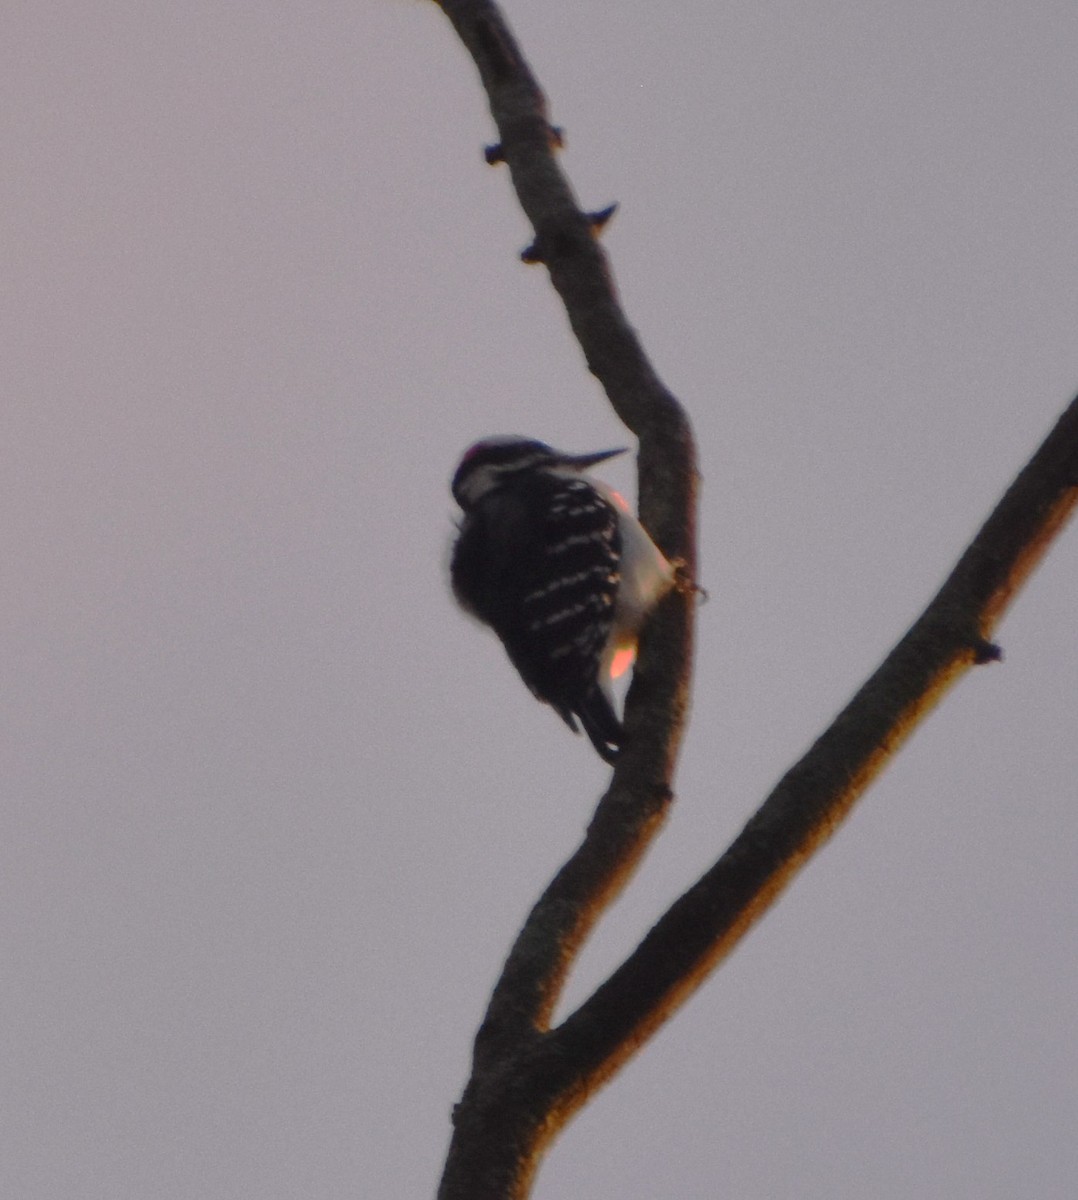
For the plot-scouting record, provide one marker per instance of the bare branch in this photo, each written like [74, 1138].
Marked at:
[565, 242]
[528, 1079]
[496, 1141]
[631, 812]
[561, 1069]
[811, 800]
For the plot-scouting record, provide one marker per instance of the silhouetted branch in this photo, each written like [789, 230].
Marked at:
[631, 812]
[528, 1079]
[953, 634]
[499, 1147]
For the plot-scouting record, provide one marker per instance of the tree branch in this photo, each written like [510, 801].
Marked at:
[812, 799]
[494, 1147]
[527, 1079]
[631, 812]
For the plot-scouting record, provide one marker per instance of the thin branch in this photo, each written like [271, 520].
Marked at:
[631, 812]
[517, 1109]
[565, 241]
[812, 799]
[527, 1079]
[494, 1148]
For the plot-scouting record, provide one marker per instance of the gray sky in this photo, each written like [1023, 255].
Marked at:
[273, 810]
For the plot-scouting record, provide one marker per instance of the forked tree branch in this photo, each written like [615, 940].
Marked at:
[529, 1079]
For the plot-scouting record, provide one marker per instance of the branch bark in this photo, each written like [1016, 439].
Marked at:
[527, 1078]
[631, 812]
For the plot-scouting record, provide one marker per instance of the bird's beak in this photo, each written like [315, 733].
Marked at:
[583, 461]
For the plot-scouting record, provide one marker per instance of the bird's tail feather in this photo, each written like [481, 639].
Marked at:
[601, 725]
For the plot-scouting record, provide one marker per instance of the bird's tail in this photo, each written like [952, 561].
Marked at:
[601, 724]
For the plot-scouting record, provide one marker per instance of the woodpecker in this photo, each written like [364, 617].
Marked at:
[553, 561]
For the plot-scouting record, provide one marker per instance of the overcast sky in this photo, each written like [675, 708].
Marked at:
[273, 809]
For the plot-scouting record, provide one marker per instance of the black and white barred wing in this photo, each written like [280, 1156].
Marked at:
[571, 585]
[548, 588]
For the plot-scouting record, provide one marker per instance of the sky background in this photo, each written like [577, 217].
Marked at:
[272, 809]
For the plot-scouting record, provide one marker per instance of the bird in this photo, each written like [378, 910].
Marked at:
[554, 563]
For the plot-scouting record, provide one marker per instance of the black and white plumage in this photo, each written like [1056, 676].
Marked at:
[556, 565]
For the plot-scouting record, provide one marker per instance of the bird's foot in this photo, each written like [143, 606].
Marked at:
[685, 583]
